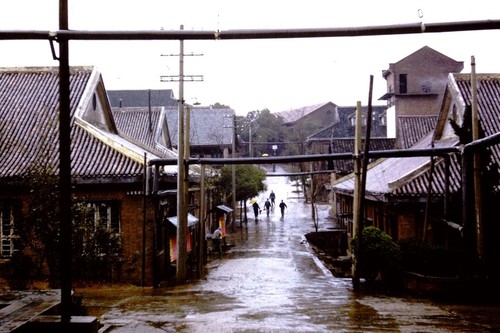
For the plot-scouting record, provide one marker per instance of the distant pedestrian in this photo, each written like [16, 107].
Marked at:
[272, 196]
[267, 206]
[256, 209]
[282, 208]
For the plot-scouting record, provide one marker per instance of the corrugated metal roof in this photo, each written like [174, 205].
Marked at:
[29, 127]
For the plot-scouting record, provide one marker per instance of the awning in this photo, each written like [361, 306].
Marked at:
[192, 220]
[225, 208]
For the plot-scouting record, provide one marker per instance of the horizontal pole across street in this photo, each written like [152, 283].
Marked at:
[410, 28]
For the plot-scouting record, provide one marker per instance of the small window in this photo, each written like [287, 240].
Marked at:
[403, 84]
[454, 113]
[353, 120]
[382, 120]
[7, 230]
[105, 214]
[94, 102]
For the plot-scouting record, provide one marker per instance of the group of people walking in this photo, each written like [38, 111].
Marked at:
[269, 205]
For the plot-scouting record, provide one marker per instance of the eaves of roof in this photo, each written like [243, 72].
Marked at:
[396, 178]
[142, 126]
[292, 115]
[403, 176]
[29, 100]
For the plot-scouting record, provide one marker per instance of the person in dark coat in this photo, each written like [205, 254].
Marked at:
[282, 208]
[267, 206]
[256, 209]
[272, 196]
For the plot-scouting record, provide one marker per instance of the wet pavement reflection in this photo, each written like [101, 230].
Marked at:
[271, 281]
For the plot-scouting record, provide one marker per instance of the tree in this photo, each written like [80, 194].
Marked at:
[265, 129]
[218, 105]
[98, 252]
[40, 233]
[249, 183]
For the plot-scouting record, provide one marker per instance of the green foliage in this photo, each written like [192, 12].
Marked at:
[379, 256]
[40, 232]
[98, 253]
[96, 250]
[266, 129]
[249, 182]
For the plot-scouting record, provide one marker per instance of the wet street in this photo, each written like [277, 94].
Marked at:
[271, 281]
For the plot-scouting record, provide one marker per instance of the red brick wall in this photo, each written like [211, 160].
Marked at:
[131, 224]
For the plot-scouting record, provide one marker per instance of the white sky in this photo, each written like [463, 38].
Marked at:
[253, 74]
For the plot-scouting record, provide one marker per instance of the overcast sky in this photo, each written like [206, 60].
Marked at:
[253, 74]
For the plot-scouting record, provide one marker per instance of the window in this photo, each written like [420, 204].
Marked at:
[403, 84]
[7, 229]
[105, 212]
[353, 120]
[382, 119]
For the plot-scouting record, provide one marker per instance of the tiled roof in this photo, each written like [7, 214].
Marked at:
[413, 128]
[396, 177]
[401, 176]
[343, 128]
[142, 126]
[141, 98]
[208, 126]
[291, 116]
[488, 97]
[347, 146]
[29, 127]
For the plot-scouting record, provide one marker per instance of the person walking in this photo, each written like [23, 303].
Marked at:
[282, 208]
[267, 206]
[216, 240]
[256, 209]
[272, 196]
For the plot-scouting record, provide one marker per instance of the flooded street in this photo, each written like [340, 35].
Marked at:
[271, 281]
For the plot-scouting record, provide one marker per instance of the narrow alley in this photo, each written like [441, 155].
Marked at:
[271, 281]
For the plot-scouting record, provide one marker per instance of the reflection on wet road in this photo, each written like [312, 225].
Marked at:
[270, 281]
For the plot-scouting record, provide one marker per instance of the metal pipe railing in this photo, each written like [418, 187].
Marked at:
[399, 29]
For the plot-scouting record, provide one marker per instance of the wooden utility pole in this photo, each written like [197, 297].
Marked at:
[202, 236]
[477, 166]
[181, 272]
[183, 150]
[357, 198]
